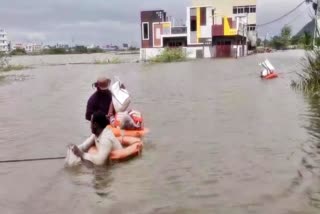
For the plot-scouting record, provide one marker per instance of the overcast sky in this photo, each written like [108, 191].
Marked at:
[113, 21]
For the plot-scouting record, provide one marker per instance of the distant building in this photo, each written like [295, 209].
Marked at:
[33, 48]
[29, 47]
[9, 46]
[65, 46]
[92, 46]
[125, 46]
[4, 45]
[158, 32]
[18, 46]
[214, 28]
[232, 11]
[109, 47]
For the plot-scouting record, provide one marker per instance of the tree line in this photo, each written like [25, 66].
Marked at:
[286, 41]
[60, 50]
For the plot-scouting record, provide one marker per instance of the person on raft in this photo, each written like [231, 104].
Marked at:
[102, 138]
[101, 100]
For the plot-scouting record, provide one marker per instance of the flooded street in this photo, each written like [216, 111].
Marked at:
[222, 140]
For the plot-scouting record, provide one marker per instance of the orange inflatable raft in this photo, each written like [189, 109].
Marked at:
[133, 149]
[137, 118]
[130, 133]
[270, 76]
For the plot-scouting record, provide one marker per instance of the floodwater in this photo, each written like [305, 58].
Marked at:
[222, 140]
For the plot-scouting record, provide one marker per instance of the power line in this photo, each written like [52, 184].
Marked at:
[281, 17]
[295, 18]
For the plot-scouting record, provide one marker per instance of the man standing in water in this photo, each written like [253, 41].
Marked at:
[101, 100]
[102, 138]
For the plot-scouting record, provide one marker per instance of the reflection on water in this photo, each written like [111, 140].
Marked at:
[9, 78]
[101, 178]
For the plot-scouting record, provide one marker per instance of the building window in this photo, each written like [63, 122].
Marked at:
[252, 9]
[235, 10]
[212, 13]
[244, 9]
[193, 23]
[203, 16]
[251, 27]
[145, 30]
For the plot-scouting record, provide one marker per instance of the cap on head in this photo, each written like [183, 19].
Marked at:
[103, 83]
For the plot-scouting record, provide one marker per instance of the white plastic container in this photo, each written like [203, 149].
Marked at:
[120, 97]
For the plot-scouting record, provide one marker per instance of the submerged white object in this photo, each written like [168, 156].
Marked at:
[267, 65]
[264, 72]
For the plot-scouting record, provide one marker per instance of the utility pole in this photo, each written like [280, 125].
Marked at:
[316, 33]
[247, 34]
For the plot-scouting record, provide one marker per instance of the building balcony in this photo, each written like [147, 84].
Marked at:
[164, 33]
[229, 27]
[179, 30]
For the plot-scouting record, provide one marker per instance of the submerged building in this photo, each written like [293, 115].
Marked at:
[4, 44]
[213, 28]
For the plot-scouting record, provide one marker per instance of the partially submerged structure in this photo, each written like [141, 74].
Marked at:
[212, 29]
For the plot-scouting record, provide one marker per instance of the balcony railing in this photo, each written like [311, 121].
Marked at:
[178, 30]
[230, 27]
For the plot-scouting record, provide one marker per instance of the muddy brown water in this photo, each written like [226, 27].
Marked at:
[222, 140]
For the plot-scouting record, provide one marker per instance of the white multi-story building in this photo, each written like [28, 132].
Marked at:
[28, 47]
[4, 46]
[33, 48]
[17, 46]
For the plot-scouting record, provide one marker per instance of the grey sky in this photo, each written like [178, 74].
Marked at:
[112, 21]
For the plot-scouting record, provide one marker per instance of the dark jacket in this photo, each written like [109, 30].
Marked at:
[99, 101]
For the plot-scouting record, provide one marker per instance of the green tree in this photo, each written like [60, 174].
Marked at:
[259, 42]
[80, 49]
[286, 35]
[267, 43]
[132, 48]
[277, 42]
[307, 41]
[284, 40]
[317, 42]
[296, 40]
[18, 51]
[95, 50]
[54, 51]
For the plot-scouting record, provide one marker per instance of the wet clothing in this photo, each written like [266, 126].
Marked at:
[105, 143]
[99, 101]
